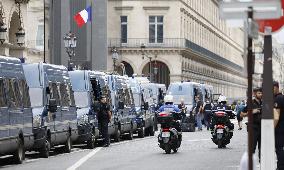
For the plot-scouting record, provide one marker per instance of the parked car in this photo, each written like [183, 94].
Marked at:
[53, 106]
[16, 125]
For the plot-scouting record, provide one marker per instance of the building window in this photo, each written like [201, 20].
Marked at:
[123, 21]
[40, 37]
[156, 29]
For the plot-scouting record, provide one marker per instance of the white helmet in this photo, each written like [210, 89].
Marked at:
[169, 99]
[222, 99]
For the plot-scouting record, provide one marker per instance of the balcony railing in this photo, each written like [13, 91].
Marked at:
[175, 43]
[136, 43]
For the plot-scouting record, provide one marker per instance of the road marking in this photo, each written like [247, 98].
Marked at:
[84, 159]
[197, 140]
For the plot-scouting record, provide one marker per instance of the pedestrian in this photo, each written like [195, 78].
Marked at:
[207, 110]
[256, 122]
[198, 111]
[239, 108]
[182, 107]
[104, 116]
[279, 125]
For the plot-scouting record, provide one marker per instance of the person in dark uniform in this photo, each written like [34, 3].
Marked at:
[222, 106]
[182, 107]
[279, 125]
[207, 109]
[256, 122]
[104, 116]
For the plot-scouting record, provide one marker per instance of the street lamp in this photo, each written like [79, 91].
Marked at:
[3, 28]
[143, 47]
[70, 42]
[20, 35]
[114, 57]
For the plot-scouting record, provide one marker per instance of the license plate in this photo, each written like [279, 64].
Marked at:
[220, 130]
[166, 134]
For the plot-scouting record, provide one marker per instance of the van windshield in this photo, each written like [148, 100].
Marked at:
[78, 81]
[36, 97]
[32, 75]
[81, 99]
[180, 92]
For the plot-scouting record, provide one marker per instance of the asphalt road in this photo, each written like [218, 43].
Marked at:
[197, 152]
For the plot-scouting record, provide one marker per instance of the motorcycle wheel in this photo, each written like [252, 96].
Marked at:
[167, 149]
[220, 144]
[175, 150]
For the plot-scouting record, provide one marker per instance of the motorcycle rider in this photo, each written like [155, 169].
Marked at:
[170, 107]
[222, 105]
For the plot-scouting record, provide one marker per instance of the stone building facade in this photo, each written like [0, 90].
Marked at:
[32, 22]
[185, 39]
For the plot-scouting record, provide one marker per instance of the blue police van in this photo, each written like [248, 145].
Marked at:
[16, 129]
[86, 92]
[123, 104]
[53, 106]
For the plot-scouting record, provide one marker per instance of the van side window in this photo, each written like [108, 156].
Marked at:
[3, 99]
[25, 93]
[14, 94]
[54, 92]
[64, 95]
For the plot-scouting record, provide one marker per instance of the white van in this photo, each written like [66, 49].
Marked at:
[185, 91]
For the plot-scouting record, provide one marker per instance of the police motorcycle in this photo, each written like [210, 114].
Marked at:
[170, 135]
[221, 127]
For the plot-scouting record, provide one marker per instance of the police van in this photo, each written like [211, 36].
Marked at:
[144, 115]
[114, 127]
[207, 92]
[16, 128]
[123, 104]
[53, 106]
[185, 91]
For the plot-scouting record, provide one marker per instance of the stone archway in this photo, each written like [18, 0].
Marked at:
[128, 69]
[163, 72]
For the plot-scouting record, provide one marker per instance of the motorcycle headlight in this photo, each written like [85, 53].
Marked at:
[83, 120]
[36, 121]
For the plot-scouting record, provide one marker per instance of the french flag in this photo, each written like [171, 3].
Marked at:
[83, 17]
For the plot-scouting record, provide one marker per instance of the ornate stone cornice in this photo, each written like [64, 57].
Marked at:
[120, 8]
[22, 1]
[156, 7]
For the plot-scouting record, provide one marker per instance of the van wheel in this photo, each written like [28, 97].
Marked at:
[141, 133]
[19, 154]
[151, 130]
[91, 143]
[68, 145]
[117, 135]
[44, 152]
